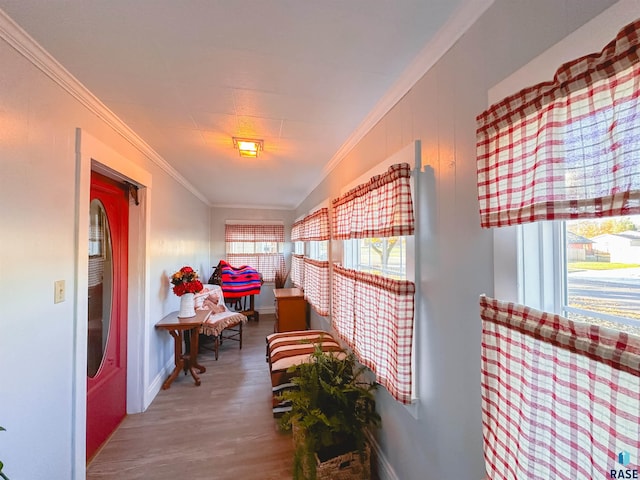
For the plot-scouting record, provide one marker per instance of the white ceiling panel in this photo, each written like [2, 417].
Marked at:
[188, 76]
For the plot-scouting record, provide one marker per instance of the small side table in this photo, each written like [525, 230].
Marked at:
[291, 309]
[177, 328]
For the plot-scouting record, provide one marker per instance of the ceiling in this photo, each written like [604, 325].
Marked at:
[306, 76]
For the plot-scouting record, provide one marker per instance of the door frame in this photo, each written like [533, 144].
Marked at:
[91, 154]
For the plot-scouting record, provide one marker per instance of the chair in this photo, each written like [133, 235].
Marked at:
[222, 325]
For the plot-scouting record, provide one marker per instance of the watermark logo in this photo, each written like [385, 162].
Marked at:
[624, 459]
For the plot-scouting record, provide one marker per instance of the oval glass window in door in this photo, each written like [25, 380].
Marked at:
[100, 286]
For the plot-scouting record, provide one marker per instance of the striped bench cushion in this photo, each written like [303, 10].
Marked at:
[286, 349]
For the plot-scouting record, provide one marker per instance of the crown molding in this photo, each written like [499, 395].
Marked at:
[26, 46]
[461, 20]
[252, 207]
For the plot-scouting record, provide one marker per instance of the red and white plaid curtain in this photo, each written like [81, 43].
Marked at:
[380, 208]
[374, 316]
[560, 399]
[265, 263]
[343, 286]
[316, 226]
[316, 285]
[313, 227]
[254, 233]
[297, 231]
[297, 270]
[567, 148]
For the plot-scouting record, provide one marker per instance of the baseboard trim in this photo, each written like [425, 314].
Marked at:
[385, 470]
[156, 384]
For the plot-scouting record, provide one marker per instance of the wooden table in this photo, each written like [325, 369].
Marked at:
[291, 309]
[177, 327]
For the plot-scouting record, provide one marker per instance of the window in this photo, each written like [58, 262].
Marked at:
[372, 302]
[602, 272]
[552, 158]
[380, 256]
[312, 273]
[259, 246]
[319, 250]
[586, 270]
[254, 247]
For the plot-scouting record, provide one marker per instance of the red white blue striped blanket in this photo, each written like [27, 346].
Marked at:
[239, 282]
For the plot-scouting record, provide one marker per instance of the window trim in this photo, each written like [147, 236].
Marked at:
[315, 250]
[541, 269]
[352, 254]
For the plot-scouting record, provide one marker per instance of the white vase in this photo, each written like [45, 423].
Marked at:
[187, 306]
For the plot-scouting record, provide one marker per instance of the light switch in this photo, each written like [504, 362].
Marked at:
[58, 291]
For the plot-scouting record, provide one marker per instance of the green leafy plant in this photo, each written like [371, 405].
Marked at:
[2, 475]
[331, 408]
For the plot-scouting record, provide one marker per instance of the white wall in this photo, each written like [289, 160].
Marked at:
[39, 357]
[445, 441]
[219, 215]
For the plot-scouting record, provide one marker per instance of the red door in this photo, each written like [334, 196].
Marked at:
[107, 313]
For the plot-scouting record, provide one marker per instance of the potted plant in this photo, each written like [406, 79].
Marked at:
[186, 284]
[280, 278]
[331, 409]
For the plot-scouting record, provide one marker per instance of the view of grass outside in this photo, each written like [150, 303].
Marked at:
[603, 272]
[578, 266]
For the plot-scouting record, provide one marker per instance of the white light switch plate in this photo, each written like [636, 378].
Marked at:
[58, 291]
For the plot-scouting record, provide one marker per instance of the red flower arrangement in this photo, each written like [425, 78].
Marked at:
[186, 280]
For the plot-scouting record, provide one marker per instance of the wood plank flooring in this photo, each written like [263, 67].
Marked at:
[221, 430]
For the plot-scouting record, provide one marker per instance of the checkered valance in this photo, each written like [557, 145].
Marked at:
[297, 231]
[316, 285]
[316, 225]
[380, 208]
[297, 270]
[254, 233]
[567, 148]
[374, 316]
[560, 399]
[313, 227]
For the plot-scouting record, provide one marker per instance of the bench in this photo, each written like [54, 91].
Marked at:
[286, 349]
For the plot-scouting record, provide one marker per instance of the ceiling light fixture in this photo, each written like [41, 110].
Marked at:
[248, 147]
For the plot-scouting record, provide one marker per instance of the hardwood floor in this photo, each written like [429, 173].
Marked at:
[221, 430]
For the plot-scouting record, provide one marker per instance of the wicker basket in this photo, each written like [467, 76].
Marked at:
[348, 466]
